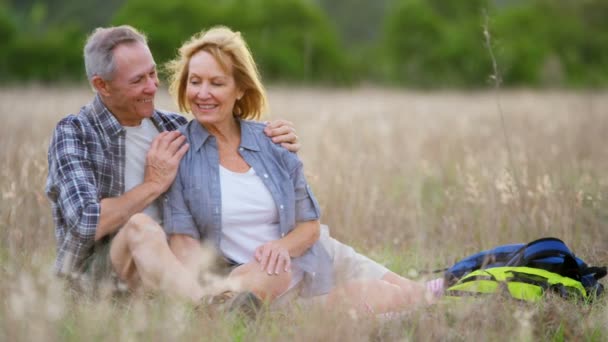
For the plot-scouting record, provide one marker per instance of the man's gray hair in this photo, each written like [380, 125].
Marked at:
[98, 52]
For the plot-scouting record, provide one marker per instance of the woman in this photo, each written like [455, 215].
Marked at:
[249, 197]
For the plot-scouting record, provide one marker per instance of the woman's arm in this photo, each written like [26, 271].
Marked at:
[275, 256]
[304, 235]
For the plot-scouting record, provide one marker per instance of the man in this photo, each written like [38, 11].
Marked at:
[114, 160]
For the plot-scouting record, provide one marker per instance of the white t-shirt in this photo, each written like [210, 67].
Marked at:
[137, 144]
[249, 217]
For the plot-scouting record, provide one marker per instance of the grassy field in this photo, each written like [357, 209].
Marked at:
[415, 180]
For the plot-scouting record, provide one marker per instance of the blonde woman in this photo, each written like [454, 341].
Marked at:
[249, 197]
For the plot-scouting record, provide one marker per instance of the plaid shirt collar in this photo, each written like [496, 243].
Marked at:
[101, 116]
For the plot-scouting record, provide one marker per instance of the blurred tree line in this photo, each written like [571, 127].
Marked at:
[414, 43]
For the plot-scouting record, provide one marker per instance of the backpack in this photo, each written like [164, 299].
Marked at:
[526, 272]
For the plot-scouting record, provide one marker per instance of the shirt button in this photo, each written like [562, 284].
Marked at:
[314, 274]
[281, 206]
[282, 234]
[265, 175]
[240, 148]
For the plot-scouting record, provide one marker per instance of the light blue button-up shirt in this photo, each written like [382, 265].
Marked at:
[193, 204]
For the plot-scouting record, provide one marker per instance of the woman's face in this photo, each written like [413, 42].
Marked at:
[211, 91]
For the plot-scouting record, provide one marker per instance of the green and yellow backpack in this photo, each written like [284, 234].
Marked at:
[525, 272]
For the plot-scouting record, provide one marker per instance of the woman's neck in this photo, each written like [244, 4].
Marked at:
[228, 137]
[228, 131]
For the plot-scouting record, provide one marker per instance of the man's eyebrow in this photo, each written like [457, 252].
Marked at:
[153, 68]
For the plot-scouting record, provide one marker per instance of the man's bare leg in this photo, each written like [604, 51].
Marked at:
[140, 253]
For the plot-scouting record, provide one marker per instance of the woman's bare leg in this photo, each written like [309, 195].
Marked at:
[417, 289]
[379, 296]
[392, 293]
[264, 286]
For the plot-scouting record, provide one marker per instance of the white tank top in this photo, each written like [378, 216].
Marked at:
[249, 217]
[137, 144]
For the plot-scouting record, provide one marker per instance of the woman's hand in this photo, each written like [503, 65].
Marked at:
[273, 257]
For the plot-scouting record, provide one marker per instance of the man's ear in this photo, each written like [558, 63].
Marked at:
[100, 85]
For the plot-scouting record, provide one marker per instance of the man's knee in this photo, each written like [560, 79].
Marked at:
[140, 220]
[141, 228]
[143, 222]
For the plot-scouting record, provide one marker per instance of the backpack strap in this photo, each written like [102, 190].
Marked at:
[597, 272]
[567, 264]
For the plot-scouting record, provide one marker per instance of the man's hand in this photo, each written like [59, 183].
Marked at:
[163, 158]
[273, 257]
[283, 132]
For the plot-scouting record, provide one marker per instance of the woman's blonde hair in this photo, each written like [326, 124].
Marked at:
[229, 50]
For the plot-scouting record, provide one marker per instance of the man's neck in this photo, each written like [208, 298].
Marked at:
[130, 123]
[124, 119]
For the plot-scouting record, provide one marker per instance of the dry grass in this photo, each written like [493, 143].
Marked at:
[416, 180]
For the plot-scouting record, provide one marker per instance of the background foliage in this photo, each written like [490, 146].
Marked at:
[414, 43]
[293, 41]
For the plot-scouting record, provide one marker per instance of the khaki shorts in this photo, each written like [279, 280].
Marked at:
[348, 266]
[98, 265]
[97, 276]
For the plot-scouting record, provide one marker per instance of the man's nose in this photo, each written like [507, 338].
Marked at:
[151, 84]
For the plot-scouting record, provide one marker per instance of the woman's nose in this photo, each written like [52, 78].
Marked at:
[203, 91]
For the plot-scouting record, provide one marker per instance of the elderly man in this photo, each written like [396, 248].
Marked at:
[113, 161]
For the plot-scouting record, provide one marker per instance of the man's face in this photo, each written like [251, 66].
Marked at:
[130, 93]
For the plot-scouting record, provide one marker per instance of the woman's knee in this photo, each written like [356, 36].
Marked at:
[264, 285]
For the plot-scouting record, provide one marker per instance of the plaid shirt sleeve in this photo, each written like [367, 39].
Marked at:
[71, 187]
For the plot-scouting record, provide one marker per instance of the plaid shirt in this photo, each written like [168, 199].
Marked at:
[86, 164]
